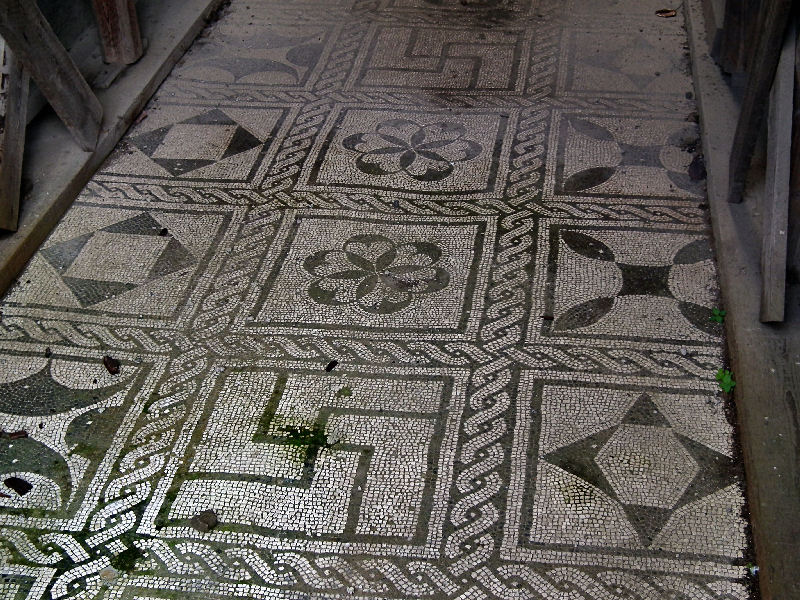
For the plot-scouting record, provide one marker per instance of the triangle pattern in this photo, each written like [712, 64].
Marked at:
[237, 166]
[45, 282]
[174, 258]
[261, 123]
[716, 470]
[195, 235]
[159, 297]
[62, 254]
[89, 291]
[141, 224]
[645, 412]
[578, 459]
[135, 162]
[647, 520]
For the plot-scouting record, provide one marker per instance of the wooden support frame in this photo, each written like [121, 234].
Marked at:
[12, 142]
[35, 45]
[119, 30]
[776, 189]
[773, 20]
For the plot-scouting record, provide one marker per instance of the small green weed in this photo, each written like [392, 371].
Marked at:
[344, 392]
[717, 315]
[313, 437]
[725, 380]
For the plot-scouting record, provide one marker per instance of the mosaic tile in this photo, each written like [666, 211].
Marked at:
[619, 466]
[412, 295]
[197, 145]
[378, 277]
[613, 157]
[436, 58]
[623, 62]
[409, 151]
[625, 283]
[122, 261]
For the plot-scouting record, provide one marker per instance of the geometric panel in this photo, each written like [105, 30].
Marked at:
[240, 53]
[622, 63]
[604, 467]
[409, 151]
[615, 157]
[387, 466]
[122, 261]
[375, 276]
[70, 411]
[191, 143]
[625, 283]
[427, 58]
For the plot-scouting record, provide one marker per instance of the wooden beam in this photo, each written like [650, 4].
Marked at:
[774, 18]
[119, 30]
[793, 253]
[776, 189]
[12, 143]
[35, 45]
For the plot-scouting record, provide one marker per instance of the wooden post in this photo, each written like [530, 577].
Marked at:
[774, 18]
[119, 30]
[12, 143]
[776, 189]
[35, 45]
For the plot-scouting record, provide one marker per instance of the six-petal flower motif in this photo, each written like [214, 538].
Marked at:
[424, 152]
[375, 273]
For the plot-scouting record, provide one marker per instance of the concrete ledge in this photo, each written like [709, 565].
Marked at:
[57, 168]
[765, 358]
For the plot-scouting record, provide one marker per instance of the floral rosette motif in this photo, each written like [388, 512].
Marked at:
[375, 274]
[424, 152]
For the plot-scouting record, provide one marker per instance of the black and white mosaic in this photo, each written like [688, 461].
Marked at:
[414, 295]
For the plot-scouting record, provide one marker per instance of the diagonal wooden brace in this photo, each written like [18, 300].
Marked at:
[33, 42]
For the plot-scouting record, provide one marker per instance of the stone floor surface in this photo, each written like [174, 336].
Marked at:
[414, 295]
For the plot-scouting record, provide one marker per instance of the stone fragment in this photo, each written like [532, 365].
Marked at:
[111, 364]
[204, 521]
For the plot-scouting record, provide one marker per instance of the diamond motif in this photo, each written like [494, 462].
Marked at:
[117, 258]
[196, 142]
[647, 466]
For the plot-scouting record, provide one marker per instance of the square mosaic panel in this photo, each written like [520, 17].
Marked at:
[437, 58]
[626, 62]
[246, 53]
[598, 284]
[612, 157]
[71, 409]
[409, 151]
[114, 261]
[378, 277]
[196, 145]
[378, 485]
[601, 466]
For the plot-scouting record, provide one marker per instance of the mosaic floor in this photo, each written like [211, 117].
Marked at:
[414, 295]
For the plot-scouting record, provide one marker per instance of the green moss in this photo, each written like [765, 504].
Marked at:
[313, 437]
[126, 560]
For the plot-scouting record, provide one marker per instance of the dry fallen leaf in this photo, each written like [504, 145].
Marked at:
[666, 13]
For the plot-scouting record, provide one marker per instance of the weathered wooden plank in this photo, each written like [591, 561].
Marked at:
[12, 143]
[35, 45]
[740, 26]
[119, 30]
[793, 252]
[776, 189]
[773, 21]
